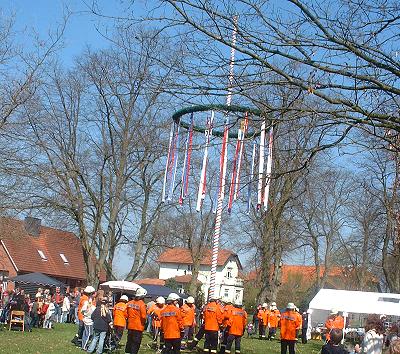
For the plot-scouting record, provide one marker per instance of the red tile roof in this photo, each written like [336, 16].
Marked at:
[23, 249]
[185, 279]
[306, 271]
[150, 281]
[182, 255]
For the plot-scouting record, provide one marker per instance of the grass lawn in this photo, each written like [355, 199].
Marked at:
[43, 341]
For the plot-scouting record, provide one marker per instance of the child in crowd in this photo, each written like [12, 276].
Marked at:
[334, 346]
[50, 315]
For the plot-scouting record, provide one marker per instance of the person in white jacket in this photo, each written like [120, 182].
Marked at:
[49, 317]
[373, 338]
[65, 309]
[87, 310]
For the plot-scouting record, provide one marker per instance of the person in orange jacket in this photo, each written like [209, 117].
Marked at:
[273, 320]
[237, 320]
[228, 307]
[119, 316]
[172, 325]
[212, 316]
[136, 315]
[290, 323]
[188, 312]
[155, 313]
[263, 316]
[333, 321]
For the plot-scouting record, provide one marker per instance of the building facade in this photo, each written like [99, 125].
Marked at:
[177, 264]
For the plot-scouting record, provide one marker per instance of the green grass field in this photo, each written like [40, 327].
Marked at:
[43, 341]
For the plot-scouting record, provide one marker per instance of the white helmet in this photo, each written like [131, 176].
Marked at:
[190, 300]
[140, 292]
[334, 312]
[124, 298]
[173, 297]
[264, 305]
[291, 306]
[160, 300]
[88, 290]
[273, 304]
[237, 303]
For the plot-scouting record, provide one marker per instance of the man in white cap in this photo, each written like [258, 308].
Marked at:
[263, 317]
[236, 327]
[172, 325]
[333, 321]
[188, 311]
[119, 316]
[136, 315]
[88, 291]
[273, 320]
[290, 323]
[212, 316]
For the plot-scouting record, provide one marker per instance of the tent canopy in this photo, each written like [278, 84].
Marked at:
[159, 290]
[37, 279]
[353, 302]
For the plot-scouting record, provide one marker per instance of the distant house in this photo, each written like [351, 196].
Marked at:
[177, 264]
[27, 246]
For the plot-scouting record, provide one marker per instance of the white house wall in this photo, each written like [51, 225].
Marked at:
[232, 286]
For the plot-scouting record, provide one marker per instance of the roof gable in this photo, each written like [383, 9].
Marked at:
[180, 255]
[23, 250]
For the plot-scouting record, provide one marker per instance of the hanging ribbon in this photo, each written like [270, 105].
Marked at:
[261, 166]
[244, 128]
[167, 165]
[269, 168]
[202, 185]
[174, 162]
[250, 182]
[186, 163]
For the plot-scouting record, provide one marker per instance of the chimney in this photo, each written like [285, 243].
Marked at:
[32, 226]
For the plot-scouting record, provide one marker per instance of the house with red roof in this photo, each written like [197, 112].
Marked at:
[177, 264]
[26, 246]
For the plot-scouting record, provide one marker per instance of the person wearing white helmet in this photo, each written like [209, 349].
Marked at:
[213, 317]
[155, 312]
[290, 324]
[172, 325]
[333, 321]
[237, 320]
[228, 307]
[136, 315]
[188, 312]
[119, 316]
[273, 320]
[263, 317]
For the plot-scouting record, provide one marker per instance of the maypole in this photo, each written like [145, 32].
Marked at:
[222, 181]
[269, 168]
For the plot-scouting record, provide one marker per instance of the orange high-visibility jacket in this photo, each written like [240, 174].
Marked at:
[274, 316]
[155, 312]
[82, 300]
[227, 313]
[333, 322]
[263, 315]
[237, 321]
[136, 314]
[289, 324]
[188, 315]
[119, 314]
[212, 316]
[171, 322]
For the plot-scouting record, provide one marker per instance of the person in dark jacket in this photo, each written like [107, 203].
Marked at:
[333, 346]
[102, 322]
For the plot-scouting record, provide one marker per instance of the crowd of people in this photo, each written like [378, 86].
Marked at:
[176, 324]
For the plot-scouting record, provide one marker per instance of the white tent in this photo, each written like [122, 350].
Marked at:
[360, 302]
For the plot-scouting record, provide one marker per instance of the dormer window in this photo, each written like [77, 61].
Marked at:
[65, 259]
[229, 273]
[42, 256]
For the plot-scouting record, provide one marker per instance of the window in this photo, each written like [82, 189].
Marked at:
[229, 273]
[42, 256]
[190, 267]
[181, 290]
[389, 299]
[226, 293]
[65, 260]
[237, 295]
